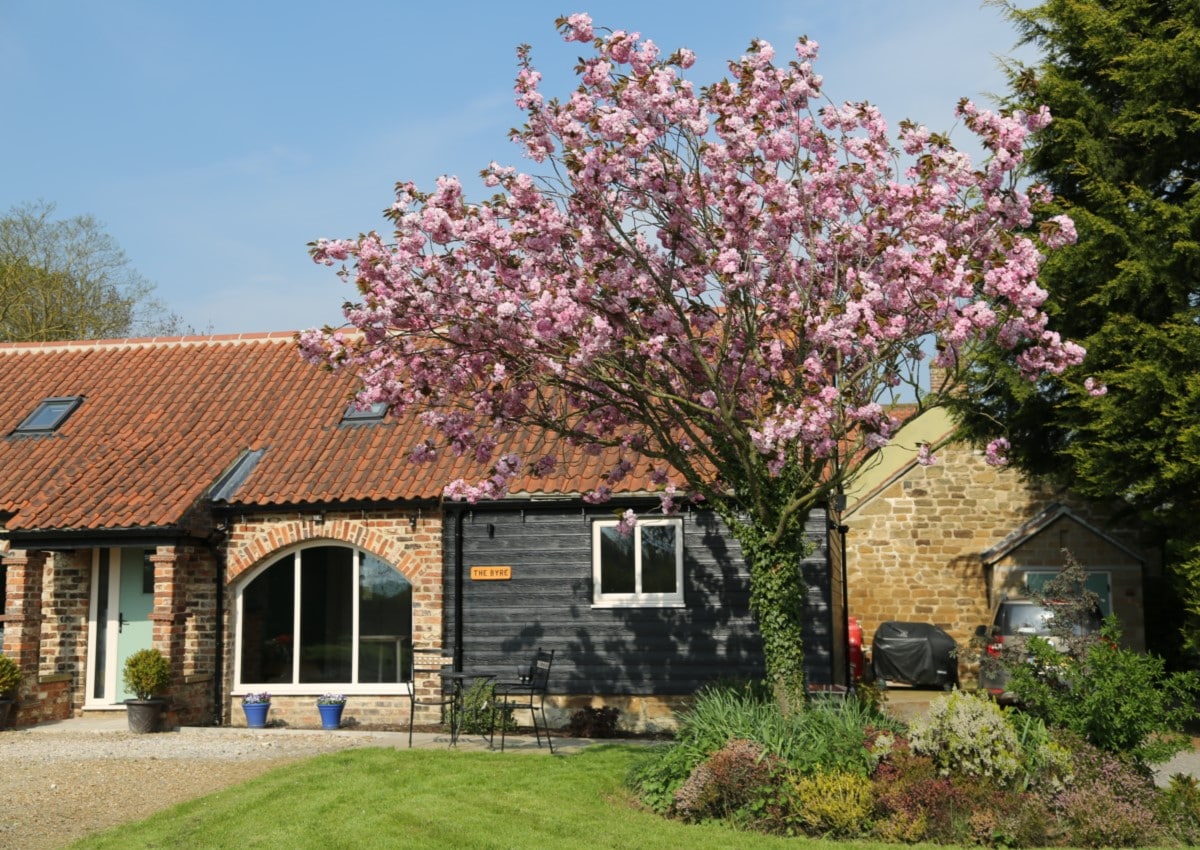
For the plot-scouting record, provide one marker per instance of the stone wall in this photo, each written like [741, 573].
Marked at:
[915, 546]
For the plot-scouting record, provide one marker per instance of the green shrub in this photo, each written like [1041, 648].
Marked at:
[1119, 700]
[834, 804]
[147, 673]
[835, 736]
[722, 713]
[1179, 809]
[10, 677]
[658, 773]
[1046, 765]
[968, 735]
[477, 711]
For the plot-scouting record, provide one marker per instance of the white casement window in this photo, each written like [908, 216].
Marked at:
[639, 568]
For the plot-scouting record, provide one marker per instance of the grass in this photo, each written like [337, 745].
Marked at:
[376, 798]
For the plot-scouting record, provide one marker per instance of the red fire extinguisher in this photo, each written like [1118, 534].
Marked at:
[856, 650]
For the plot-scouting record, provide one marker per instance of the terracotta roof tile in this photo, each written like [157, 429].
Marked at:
[163, 419]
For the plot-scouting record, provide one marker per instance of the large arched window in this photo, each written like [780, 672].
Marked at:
[323, 616]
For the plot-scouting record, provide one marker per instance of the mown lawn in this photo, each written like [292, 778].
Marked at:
[434, 799]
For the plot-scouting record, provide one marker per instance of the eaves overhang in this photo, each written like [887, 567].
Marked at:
[63, 540]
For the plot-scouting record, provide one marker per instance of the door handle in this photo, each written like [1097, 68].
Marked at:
[121, 621]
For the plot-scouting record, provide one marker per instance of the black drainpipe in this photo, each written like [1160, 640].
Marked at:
[458, 589]
[219, 550]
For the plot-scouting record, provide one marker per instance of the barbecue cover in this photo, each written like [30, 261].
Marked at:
[915, 654]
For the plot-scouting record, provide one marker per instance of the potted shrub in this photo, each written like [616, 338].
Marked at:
[256, 706]
[330, 706]
[10, 680]
[147, 675]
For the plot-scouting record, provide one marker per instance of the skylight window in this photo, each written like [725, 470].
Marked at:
[49, 415]
[356, 415]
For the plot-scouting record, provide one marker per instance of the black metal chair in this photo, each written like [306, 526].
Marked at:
[528, 693]
[428, 687]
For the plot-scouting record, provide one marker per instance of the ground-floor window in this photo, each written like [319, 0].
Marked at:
[322, 616]
[638, 567]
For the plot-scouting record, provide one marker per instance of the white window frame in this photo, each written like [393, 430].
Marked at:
[307, 688]
[637, 599]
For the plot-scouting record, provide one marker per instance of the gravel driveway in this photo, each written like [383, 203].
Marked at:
[60, 786]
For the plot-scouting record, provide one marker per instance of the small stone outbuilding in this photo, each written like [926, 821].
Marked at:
[942, 543]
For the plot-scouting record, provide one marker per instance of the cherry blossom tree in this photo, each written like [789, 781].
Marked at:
[723, 289]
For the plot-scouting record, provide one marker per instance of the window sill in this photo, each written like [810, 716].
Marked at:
[624, 603]
[315, 690]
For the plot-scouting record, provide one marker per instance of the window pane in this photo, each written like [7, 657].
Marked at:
[658, 558]
[101, 617]
[616, 561]
[326, 613]
[384, 622]
[267, 639]
[49, 414]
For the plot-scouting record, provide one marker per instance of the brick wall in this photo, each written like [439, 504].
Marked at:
[41, 633]
[65, 623]
[185, 627]
[915, 548]
[409, 541]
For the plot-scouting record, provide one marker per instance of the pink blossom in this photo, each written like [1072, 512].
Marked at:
[1095, 388]
[1059, 231]
[997, 452]
[705, 283]
[577, 27]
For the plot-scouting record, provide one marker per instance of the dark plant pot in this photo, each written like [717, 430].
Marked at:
[256, 714]
[6, 711]
[145, 715]
[331, 715]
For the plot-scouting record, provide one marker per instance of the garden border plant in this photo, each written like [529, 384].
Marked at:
[968, 772]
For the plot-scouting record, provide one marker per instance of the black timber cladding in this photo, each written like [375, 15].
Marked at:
[547, 603]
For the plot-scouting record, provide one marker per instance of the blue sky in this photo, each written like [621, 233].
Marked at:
[215, 139]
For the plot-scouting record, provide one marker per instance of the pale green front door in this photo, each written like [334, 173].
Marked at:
[122, 601]
[134, 631]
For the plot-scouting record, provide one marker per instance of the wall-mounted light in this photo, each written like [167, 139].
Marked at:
[412, 521]
[491, 530]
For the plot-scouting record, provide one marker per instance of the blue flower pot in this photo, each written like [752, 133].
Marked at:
[331, 715]
[256, 714]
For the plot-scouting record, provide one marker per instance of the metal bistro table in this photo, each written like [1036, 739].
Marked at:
[457, 679]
